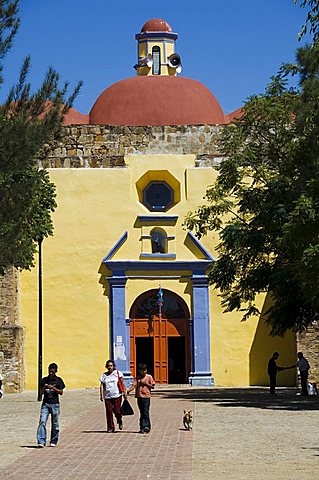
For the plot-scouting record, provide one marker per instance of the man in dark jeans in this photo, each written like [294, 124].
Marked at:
[51, 387]
[143, 384]
[272, 370]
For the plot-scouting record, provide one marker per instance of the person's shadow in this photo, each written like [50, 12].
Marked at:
[30, 446]
[104, 431]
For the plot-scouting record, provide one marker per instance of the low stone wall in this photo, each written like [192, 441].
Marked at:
[9, 296]
[308, 344]
[104, 146]
[12, 348]
[11, 333]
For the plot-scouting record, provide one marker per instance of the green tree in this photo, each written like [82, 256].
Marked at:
[28, 122]
[312, 20]
[264, 203]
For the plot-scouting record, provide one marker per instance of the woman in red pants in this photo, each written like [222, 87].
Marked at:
[111, 389]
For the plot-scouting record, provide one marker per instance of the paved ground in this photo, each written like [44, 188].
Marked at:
[238, 434]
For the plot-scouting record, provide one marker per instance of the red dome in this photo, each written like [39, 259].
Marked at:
[157, 100]
[235, 115]
[73, 117]
[156, 25]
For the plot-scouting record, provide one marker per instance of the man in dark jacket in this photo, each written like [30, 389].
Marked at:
[272, 370]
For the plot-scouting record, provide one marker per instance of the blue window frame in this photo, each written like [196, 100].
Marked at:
[158, 196]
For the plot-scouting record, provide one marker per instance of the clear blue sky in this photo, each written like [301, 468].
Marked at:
[232, 46]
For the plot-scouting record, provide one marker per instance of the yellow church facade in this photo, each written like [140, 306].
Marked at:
[122, 277]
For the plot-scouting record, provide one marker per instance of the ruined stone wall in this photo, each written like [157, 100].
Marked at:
[12, 348]
[104, 146]
[308, 344]
[11, 334]
[9, 296]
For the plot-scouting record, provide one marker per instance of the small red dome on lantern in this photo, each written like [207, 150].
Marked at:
[156, 25]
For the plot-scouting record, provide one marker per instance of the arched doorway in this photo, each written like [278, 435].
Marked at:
[163, 343]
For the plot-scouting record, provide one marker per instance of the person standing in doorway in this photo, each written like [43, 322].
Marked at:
[303, 367]
[272, 370]
[51, 387]
[143, 384]
[111, 388]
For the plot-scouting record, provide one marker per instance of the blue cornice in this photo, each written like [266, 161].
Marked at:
[158, 219]
[160, 35]
[121, 267]
[115, 248]
[158, 256]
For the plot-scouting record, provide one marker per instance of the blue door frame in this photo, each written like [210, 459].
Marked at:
[119, 325]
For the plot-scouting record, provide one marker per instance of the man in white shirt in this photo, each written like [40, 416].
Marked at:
[303, 366]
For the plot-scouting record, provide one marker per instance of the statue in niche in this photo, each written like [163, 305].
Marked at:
[158, 242]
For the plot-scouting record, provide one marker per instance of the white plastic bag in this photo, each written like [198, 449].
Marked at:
[312, 389]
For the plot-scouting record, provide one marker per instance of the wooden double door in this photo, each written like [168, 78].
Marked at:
[164, 345]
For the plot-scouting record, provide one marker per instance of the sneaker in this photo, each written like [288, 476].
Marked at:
[147, 430]
[141, 431]
[52, 444]
[40, 445]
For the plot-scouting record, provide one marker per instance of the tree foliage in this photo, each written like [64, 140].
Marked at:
[312, 20]
[9, 24]
[265, 201]
[28, 121]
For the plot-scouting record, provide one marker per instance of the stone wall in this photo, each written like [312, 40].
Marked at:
[308, 344]
[104, 146]
[9, 296]
[12, 347]
[11, 334]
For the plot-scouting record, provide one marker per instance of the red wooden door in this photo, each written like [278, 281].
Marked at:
[159, 330]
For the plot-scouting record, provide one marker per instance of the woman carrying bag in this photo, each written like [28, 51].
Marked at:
[111, 389]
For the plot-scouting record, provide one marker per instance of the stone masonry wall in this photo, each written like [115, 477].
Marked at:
[12, 348]
[104, 146]
[9, 296]
[11, 334]
[308, 344]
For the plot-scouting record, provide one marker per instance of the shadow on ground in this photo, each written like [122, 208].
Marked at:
[286, 399]
[312, 448]
[104, 431]
[30, 446]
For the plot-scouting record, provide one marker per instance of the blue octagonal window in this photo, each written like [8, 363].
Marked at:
[158, 196]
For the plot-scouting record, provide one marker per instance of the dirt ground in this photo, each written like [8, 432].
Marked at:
[246, 434]
[238, 433]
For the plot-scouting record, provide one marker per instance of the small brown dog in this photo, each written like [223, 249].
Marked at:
[188, 419]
